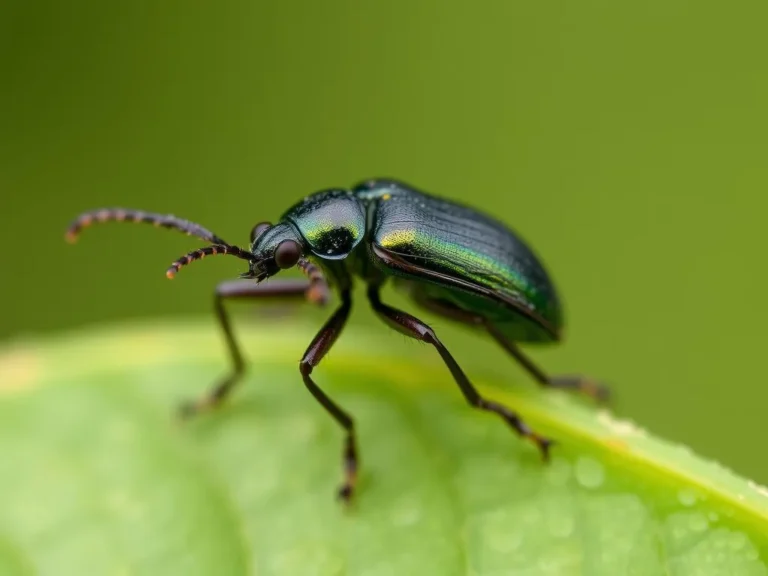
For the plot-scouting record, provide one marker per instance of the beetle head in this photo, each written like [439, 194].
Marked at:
[273, 248]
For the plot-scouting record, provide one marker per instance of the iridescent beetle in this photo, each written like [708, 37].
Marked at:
[452, 259]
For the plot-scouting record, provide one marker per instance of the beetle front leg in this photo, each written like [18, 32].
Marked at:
[315, 352]
[576, 383]
[247, 290]
[415, 328]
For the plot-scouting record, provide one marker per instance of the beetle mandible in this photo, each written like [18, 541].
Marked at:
[453, 260]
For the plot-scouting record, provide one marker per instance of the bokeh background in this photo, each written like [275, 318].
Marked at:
[627, 141]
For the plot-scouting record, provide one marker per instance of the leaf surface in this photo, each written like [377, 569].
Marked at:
[99, 478]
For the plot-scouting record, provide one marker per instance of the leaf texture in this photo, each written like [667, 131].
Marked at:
[99, 478]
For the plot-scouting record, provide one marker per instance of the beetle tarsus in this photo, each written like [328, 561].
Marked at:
[544, 445]
[191, 408]
[347, 489]
[576, 383]
[187, 410]
[584, 385]
[516, 423]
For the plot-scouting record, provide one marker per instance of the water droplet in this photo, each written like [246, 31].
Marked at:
[561, 526]
[687, 497]
[558, 472]
[589, 473]
[505, 543]
[549, 565]
[531, 515]
[738, 541]
[619, 427]
[303, 429]
[406, 514]
[698, 523]
[762, 490]
[493, 528]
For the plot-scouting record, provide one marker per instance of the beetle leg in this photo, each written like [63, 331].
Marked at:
[320, 345]
[243, 290]
[577, 383]
[415, 328]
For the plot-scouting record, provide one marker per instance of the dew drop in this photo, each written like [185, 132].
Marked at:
[494, 531]
[561, 526]
[738, 541]
[762, 490]
[698, 523]
[620, 427]
[558, 472]
[407, 514]
[687, 497]
[589, 473]
[549, 565]
[531, 516]
[505, 543]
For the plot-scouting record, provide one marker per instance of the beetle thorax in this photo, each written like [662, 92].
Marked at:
[332, 222]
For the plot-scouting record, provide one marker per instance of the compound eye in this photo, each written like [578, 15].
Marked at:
[259, 229]
[287, 254]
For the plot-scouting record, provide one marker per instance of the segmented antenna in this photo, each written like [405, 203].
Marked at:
[207, 251]
[126, 215]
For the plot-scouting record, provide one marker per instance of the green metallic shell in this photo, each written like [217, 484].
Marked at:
[331, 221]
[463, 259]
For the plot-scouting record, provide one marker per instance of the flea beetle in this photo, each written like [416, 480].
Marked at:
[451, 259]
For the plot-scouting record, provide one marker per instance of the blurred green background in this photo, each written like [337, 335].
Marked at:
[625, 140]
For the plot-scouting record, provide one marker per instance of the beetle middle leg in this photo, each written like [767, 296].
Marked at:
[576, 383]
[312, 289]
[415, 328]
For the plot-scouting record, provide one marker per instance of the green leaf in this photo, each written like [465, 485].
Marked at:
[99, 478]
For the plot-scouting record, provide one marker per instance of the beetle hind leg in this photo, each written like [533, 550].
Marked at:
[415, 328]
[576, 383]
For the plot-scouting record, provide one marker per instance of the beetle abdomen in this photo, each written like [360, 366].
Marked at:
[459, 248]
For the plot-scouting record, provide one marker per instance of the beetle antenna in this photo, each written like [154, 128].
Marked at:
[87, 219]
[207, 251]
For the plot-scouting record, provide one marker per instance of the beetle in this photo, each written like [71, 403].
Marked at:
[451, 259]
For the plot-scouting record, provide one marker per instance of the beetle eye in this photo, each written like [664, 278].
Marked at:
[259, 229]
[287, 254]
